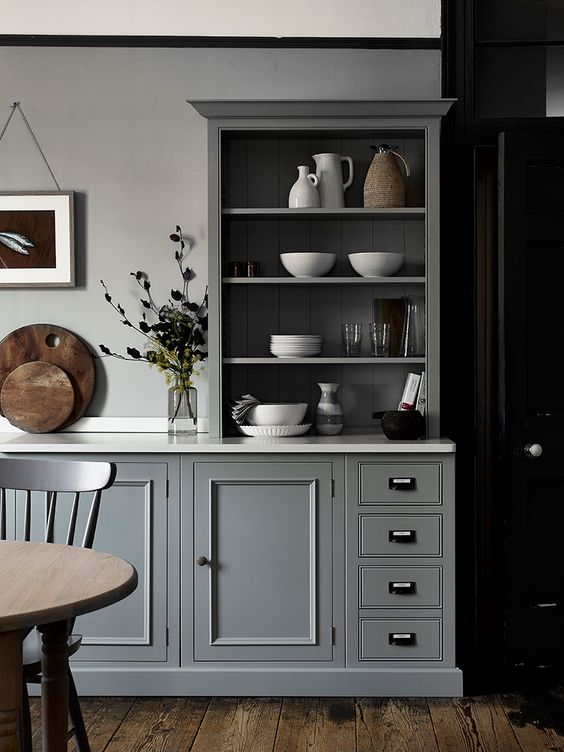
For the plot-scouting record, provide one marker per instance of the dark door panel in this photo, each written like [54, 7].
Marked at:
[532, 396]
[543, 338]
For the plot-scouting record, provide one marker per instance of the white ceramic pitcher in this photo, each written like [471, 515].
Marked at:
[332, 187]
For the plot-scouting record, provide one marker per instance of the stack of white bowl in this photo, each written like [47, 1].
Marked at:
[295, 345]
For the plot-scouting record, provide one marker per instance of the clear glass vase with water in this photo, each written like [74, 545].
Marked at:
[182, 410]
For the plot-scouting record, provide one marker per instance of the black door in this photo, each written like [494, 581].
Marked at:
[531, 173]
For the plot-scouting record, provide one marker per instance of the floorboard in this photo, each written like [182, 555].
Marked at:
[537, 728]
[167, 724]
[316, 725]
[526, 721]
[102, 719]
[475, 724]
[394, 725]
[239, 725]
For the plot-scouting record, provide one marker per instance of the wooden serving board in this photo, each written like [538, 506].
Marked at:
[58, 347]
[37, 397]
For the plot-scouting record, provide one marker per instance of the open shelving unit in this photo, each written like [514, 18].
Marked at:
[254, 150]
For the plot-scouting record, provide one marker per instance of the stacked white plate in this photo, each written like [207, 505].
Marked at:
[271, 431]
[295, 345]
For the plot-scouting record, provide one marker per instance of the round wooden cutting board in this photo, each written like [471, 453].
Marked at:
[37, 397]
[55, 346]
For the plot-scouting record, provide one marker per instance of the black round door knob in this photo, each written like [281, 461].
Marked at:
[201, 561]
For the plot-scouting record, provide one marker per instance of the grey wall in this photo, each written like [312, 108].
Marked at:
[115, 128]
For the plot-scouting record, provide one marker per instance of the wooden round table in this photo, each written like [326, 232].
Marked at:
[43, 585]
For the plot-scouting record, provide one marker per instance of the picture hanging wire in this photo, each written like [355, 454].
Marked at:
[14, 107]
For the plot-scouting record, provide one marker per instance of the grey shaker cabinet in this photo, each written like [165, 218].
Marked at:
[304, 593]
[263, 560]
[133, 525]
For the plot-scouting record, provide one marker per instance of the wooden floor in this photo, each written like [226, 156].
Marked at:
[531, 721]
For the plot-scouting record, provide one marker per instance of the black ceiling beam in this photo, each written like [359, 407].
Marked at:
[370, 43]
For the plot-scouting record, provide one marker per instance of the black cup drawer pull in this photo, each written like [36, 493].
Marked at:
[401, 536]
[402, 638]
[401, 588]
[401, 484]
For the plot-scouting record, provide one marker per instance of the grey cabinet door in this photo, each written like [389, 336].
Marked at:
[132, 525]
[265, 529]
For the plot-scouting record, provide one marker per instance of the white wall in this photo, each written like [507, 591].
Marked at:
[116, 129]
[246, 18]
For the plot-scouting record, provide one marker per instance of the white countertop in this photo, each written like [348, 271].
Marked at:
[139, 443]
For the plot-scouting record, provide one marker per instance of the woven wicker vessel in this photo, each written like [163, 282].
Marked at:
[384, 186]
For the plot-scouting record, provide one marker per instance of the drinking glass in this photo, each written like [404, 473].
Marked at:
[380, 338]
[352, 339]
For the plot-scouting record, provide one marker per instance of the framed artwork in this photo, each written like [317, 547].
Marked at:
[37, 239]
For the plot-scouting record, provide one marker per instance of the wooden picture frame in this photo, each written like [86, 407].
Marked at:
[37, 239]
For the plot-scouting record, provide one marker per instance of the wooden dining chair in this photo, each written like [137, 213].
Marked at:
[42, 483]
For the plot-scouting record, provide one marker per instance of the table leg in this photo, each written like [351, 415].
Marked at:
[54, 686]
[10, 689]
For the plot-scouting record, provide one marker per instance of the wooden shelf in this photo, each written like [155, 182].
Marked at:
[347, 212]
[324, 280]
[317, 361]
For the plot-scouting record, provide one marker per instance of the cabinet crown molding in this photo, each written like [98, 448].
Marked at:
[321, 108]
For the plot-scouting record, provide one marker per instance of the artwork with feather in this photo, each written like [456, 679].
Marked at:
[36, 239]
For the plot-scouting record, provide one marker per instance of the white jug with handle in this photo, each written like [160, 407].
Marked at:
[332, 187]
[304, 193]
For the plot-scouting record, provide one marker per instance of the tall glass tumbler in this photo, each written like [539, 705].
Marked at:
[352, 339]
[380, 338]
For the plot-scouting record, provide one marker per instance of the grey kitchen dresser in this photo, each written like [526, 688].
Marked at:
[297, 566]
[302, 566]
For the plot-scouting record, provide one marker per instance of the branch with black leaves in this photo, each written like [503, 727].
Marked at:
[176, 341]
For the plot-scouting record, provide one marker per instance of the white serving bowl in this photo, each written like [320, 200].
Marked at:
[376, 263]
[277, 414]
[308, 263]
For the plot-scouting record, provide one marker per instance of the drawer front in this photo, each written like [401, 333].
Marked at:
[400, 587]
[400, 640]
[399, 483]
[400, 535]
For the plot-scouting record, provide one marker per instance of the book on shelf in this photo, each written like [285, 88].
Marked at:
[412, 390]
[421, 401]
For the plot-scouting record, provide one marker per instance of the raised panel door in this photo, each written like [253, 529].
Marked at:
[263, 589]
[132, 525]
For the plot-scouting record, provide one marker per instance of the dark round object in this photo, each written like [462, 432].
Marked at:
[59, 347]
[403, 424]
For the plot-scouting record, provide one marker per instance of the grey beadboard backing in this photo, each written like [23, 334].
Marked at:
[259, 171]
[364, 388]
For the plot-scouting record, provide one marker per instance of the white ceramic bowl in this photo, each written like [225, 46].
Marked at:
[277, 414]
[376, 263]
[308, 263]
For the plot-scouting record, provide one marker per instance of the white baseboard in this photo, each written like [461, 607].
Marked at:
[111, 425]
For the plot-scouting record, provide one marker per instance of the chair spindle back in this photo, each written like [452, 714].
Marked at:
[52, 478]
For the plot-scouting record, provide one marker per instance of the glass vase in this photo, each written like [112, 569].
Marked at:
[329, 414]
[182, 411]
[413, 337]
